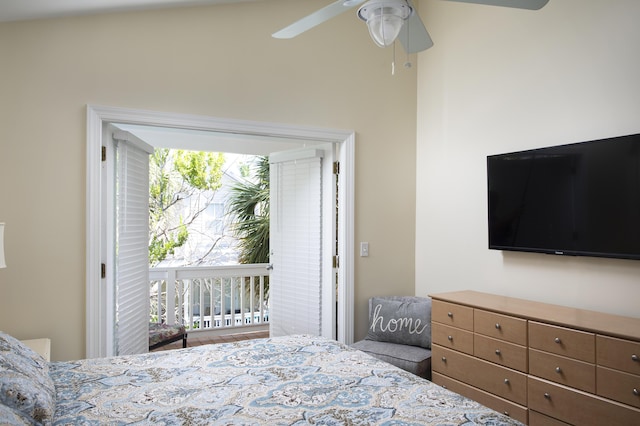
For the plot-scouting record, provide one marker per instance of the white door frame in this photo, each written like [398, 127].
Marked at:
[96, 327]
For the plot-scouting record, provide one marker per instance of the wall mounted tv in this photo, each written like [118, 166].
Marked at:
[579, 199]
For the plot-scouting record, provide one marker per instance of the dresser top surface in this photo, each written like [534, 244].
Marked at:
[593, 321]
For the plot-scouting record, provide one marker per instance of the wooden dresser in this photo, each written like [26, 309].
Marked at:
[540, 364]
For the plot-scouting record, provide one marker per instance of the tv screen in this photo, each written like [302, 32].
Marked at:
[578, 199]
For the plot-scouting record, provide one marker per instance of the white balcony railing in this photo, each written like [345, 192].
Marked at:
[210, 298]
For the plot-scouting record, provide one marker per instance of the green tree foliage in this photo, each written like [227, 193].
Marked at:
[249, 207]
[176, 175]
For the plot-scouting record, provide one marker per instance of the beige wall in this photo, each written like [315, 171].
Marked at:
[501, 80]
[218, 61]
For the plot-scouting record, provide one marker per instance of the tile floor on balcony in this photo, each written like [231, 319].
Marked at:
[194, 340]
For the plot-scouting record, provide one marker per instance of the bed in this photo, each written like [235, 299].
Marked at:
[293, 380]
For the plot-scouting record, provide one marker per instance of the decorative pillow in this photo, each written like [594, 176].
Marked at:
[405, 320]
[25, 384]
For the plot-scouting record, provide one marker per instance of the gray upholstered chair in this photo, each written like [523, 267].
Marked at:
[400, 333]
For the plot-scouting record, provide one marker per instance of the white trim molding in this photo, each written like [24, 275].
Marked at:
[97, 116]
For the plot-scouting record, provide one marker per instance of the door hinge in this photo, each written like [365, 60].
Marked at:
[103, 270]
[336, 261]
[336, 168]
[104, 153]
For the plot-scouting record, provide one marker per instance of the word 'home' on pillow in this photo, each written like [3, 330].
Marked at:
[404, 320]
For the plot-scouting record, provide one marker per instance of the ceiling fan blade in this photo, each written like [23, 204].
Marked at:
[413, 35]
[317, 18]
[519, 4]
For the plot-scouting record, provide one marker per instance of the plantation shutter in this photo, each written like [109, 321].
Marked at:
[132, 242]
[295, 284]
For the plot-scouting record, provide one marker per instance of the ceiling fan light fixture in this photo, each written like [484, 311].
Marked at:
[384, 19]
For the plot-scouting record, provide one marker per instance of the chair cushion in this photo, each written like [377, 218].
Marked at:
[413, 359]
[405, 320]
[162, 332]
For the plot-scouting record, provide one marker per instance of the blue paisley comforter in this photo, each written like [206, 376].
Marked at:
[294, 380]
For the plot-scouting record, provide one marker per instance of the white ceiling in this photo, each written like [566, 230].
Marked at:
[19, 10]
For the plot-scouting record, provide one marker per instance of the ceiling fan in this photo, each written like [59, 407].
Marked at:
[390, 19]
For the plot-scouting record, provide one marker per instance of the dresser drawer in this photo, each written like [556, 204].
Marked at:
[492, 378]
[452, 337]
[499, 326]
[577, 407]
[567, 371]
[539, 419]
[618, 354]
[452, 314]
[562, 341]
[501, 405]
[500, 352]
[619, 386]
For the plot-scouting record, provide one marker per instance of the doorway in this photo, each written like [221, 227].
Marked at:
[266, 135]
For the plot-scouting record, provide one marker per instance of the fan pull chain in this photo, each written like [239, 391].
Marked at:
[407, 63]
[393, 59]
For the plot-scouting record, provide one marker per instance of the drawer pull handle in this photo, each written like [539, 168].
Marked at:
[506, 413]
[497, 326]
[636, 392]
[558, 370]
[547, 395]
[450, 314]
[498, 352]
[635, 357]
[450, 338]
[444, 359]
[506, 381]
[557, 340]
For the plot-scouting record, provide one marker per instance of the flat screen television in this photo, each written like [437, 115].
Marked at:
[580, 199]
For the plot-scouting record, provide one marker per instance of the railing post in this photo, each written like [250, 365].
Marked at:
[201, 303]
[182, 306]
[261, 299]
[232, 298]
[171, 296]
[252, 284]
[159, 300]
[223, 307]
[241, 290]
[189, 305]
